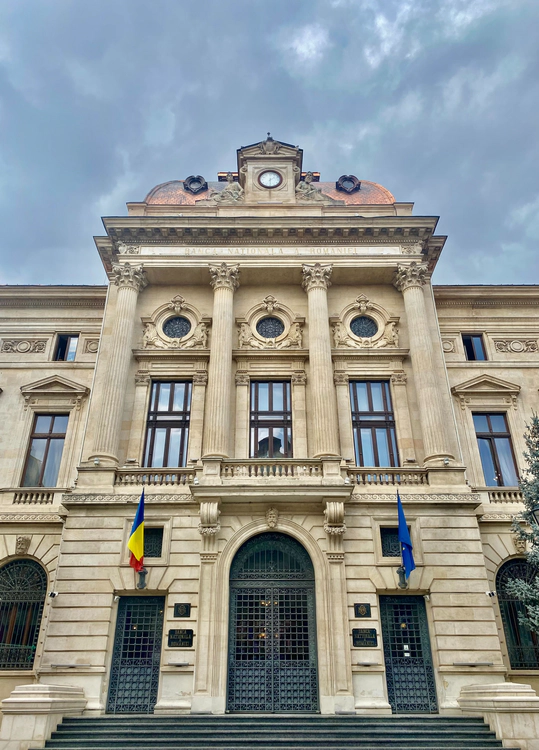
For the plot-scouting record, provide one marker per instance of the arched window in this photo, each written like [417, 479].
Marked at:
[23, 585]
[522, 644]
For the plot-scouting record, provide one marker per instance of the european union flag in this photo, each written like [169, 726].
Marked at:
[406, 543]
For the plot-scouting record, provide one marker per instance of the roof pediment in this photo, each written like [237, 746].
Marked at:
[486, 384]
[54, 385]
[270, 149]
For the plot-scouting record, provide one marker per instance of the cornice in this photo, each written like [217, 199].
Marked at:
[30, 517]
[78, 500]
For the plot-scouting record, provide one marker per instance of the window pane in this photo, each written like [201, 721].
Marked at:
[173, 458]
[34, 463]
[155, 388]
[52, 466]
[278, 400]
[505, 457]
[356, 447]
[489, 469]
[164, 397]
[367, 447]
[262, 447]
[179, 396]
[383, 447]
[43, 424]
[394, 446]
[497, 422]
[362, 400]
[72, 348]
[60, 424]
[478, 347]
[263, 396]
[480, 422]
[158, 455]
[377, 400]
[148, 443]
[278, 442]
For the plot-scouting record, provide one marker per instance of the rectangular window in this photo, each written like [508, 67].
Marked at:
[153, 541]
[495, 449]
[167, 430]
[271, 420]
[391, 546]
[45, 451]
[373, 423]
[473, 346]
[66, 348]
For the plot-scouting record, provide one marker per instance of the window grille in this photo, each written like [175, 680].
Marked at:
[390, 542]
[153, 541]
[364, 327]
[522, 644]
[270, 327]
[177, 328]
[23, 585]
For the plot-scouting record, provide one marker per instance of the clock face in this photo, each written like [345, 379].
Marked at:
[270, 179]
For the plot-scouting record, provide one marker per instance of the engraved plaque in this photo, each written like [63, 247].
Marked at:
[180, 638]
[362, 610]
[182, 610]
[364, 637]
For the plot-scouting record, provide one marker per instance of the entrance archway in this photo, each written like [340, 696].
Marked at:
[272, 655]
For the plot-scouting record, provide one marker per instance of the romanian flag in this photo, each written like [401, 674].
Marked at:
[136, 541]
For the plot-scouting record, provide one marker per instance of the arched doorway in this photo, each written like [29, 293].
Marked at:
[272, 657]
[23, 585]
[522, 644]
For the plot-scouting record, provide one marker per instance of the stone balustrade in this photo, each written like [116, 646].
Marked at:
[383, 477]
[505, 495]
[283, 469]
[153, 477]
[32, 495]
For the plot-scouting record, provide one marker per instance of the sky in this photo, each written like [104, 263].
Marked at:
[437, 100]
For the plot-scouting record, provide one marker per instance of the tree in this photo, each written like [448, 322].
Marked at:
[525, 526]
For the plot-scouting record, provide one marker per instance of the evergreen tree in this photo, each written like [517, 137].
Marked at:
[526, 528]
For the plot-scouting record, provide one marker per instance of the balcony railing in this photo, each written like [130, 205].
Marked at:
[35, 495]
[154, 477]
[271, 469]
[369, 477]
[506, 495]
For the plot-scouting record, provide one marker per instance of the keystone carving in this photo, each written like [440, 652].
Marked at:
[24, 346]
[209, 518]
[177, 304]
[225, 276]
[411, 275]
[126, 275]
[516, 346]
[22, 543]
[272, 517]
[316, 276]
[270, 303]
[520, 544]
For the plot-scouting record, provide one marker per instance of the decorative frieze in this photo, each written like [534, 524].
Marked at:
[24, 346]
[91, 346]
[225, 276]
[413, 274]
[30, 517]
[516, 346]
[416, 248]
[316, 276]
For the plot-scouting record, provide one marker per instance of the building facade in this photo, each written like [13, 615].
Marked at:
[271, 363]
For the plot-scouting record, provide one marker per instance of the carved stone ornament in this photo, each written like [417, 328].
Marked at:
[411, 275]
[299, 377]
[269, 146]
[399, 378]
[272, 517]
[225, 276]
[125, 249]
[348, 183]
[520, 544]
[177, 304]
[416, 248]
[270, 303]
[91, 346]
[142, 378]
[127, 276]
[242, 377]
[340, 378]
[516, 346]
[200, 377]
[247, 339]
[342, 338]
[209, 518]
[448, 345]
[22, 543]
[306, 192]
[195, 184]
[231, 195]
[24, 346]
[334, 513]
[316, 276]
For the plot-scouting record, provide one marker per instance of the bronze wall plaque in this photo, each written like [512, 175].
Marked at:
[182, 610]
[362, 610]
[364, 637]
[180, 638]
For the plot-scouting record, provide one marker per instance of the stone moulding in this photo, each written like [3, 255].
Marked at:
[24, 346]
[30, 517]
[124, 499]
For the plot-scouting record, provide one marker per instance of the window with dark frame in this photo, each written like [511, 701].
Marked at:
[373, 423]
[153, 541]
[391, 547]
[271, 419]
[45, 450]
[66, 347]
[167, 428]
[496, 450]
[474, 347]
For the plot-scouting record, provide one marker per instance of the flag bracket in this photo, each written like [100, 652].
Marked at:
[401, 572]
[142, 578]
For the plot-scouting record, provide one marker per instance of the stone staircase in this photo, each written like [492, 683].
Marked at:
[273, 732]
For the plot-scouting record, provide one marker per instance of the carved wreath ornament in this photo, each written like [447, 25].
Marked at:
[175, 325]
[365, 324]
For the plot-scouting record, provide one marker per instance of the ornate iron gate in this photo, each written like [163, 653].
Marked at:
[272, 660]
[522, 644]
[134, 674]
[408, 658]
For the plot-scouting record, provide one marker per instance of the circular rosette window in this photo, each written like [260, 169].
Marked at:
[270, 327]
[364, 327]
[176, 328]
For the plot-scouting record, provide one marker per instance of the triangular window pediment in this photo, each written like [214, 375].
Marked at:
[54, 385]
[486, 384]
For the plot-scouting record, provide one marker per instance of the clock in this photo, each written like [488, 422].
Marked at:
[270, 179]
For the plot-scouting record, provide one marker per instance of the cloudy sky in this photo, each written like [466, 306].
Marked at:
[438, 100]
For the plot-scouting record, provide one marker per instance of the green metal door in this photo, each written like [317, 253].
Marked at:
[408, 658]
[272, 660]
[134, 673]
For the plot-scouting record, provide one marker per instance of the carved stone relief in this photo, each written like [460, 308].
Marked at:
[272, 517]
[516, 346]
[448, 345]
[91, 346]
[279, 317]
[386, 333]
[22, 543]
[520, 544]
[232, 193]
[197, 331]
[24, 346]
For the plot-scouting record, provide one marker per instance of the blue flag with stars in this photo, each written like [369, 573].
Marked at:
[405, 541]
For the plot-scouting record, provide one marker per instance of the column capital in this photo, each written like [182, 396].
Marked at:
[225, 276]
[340, 377]
[242, 377]
[200, 377]
[316, 276]
[410, 275]
[399, 378]
[126, 275]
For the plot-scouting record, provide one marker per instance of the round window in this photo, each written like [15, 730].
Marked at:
[176, 328]
[364, 327]
[270, 328]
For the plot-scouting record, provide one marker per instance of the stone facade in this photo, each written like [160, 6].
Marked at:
[316, 259]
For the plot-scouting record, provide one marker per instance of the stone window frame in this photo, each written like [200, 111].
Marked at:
[177, 307]
[486, 394]
[274, 309]
[391, 521]
[363, 307]
[151, 522]
[53, 395]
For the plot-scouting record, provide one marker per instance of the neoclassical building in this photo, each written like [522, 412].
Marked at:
[271, 362]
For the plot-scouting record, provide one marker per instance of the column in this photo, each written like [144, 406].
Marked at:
[138, 419]
[196, 418]
[325, 442]
[401, 410]
[299, 415]
[410, 280]
[225, 281]
[344, 411]
[242, 414]
[130, 280]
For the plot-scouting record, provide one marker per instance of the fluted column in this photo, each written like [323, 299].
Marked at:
[410, 280]
[130, 280]
[325, 442]
[225, 281]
